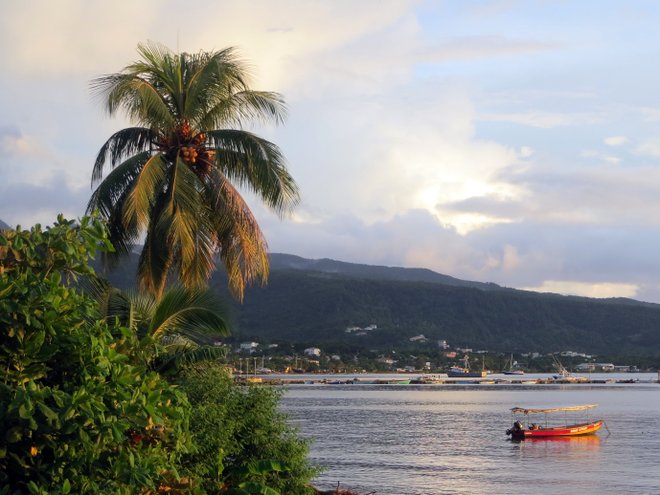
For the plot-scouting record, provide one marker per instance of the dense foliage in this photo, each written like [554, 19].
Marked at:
[241, 434]
[82, 409]
[75, 415]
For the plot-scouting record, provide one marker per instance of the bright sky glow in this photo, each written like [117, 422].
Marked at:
[494, 140]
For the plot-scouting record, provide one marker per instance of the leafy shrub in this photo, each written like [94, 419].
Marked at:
[75, 415]
[241, 437]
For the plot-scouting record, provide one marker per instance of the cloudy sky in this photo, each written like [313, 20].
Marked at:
[515, 142]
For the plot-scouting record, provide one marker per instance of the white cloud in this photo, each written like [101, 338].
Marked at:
[614, 160]
[419, 153]
[71, 36]
[281, 40]
[17, 146]
[510, 259]
[616, 140]
[605, 196]
[650, 114]
[543, 119]
[399, 133]
[475, 47]
[650, 148]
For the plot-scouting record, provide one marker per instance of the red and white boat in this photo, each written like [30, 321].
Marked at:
[523, 428]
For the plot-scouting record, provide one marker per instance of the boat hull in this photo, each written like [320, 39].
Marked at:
[558, 431]
[466, 374]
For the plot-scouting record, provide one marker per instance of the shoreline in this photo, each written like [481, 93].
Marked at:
[437, 379]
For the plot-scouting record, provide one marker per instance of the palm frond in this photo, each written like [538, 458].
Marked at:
[122, 144]
[131, 309]
[191, 312]
[244, 250]
[107, 194]
[103, 293]
[234, 108]
[186, 354]
[109, 198]
[212, 79]
[140, 99]
[190, 226]
[265, 106]
[179, 236]
[258, 164]
[145, 186]
[157, 253]
[165, 71]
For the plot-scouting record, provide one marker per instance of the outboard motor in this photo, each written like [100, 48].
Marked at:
[516, 431]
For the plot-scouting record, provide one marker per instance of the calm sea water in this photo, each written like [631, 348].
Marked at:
[450, 439]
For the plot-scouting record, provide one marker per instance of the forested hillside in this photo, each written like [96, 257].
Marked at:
[313, 302]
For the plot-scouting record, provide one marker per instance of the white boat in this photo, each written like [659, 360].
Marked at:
[511, 370]
[564, 376]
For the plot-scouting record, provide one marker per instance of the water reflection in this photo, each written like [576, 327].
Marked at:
[437, 441]
[568, 447]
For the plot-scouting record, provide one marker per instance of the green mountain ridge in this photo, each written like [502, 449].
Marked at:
[313, 302]
[280, 261]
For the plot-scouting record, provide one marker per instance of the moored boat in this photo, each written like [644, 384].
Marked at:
[465, 372]
[564, 376]
[458, 372]
[511, 370]
[523, 429]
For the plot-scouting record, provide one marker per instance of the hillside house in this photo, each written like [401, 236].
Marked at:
[312, 352]
[249, 347]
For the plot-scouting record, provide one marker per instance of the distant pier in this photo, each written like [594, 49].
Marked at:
[431, 380]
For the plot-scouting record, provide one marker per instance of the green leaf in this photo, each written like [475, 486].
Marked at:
[25, 410]
[47, 411]
[14, 434]
[35, 341]
[267, 466]
[117, 433]
[258, 488]
[66, 487]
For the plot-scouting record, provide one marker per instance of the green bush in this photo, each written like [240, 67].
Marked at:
[239, 433]
[75, 415]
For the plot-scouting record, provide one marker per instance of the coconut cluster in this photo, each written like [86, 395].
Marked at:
[190, 147]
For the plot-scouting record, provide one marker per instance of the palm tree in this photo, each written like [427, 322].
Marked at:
[193, 313]
[172, 331]
[175, 175]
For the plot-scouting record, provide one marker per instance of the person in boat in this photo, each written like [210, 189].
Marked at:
[534, 426]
